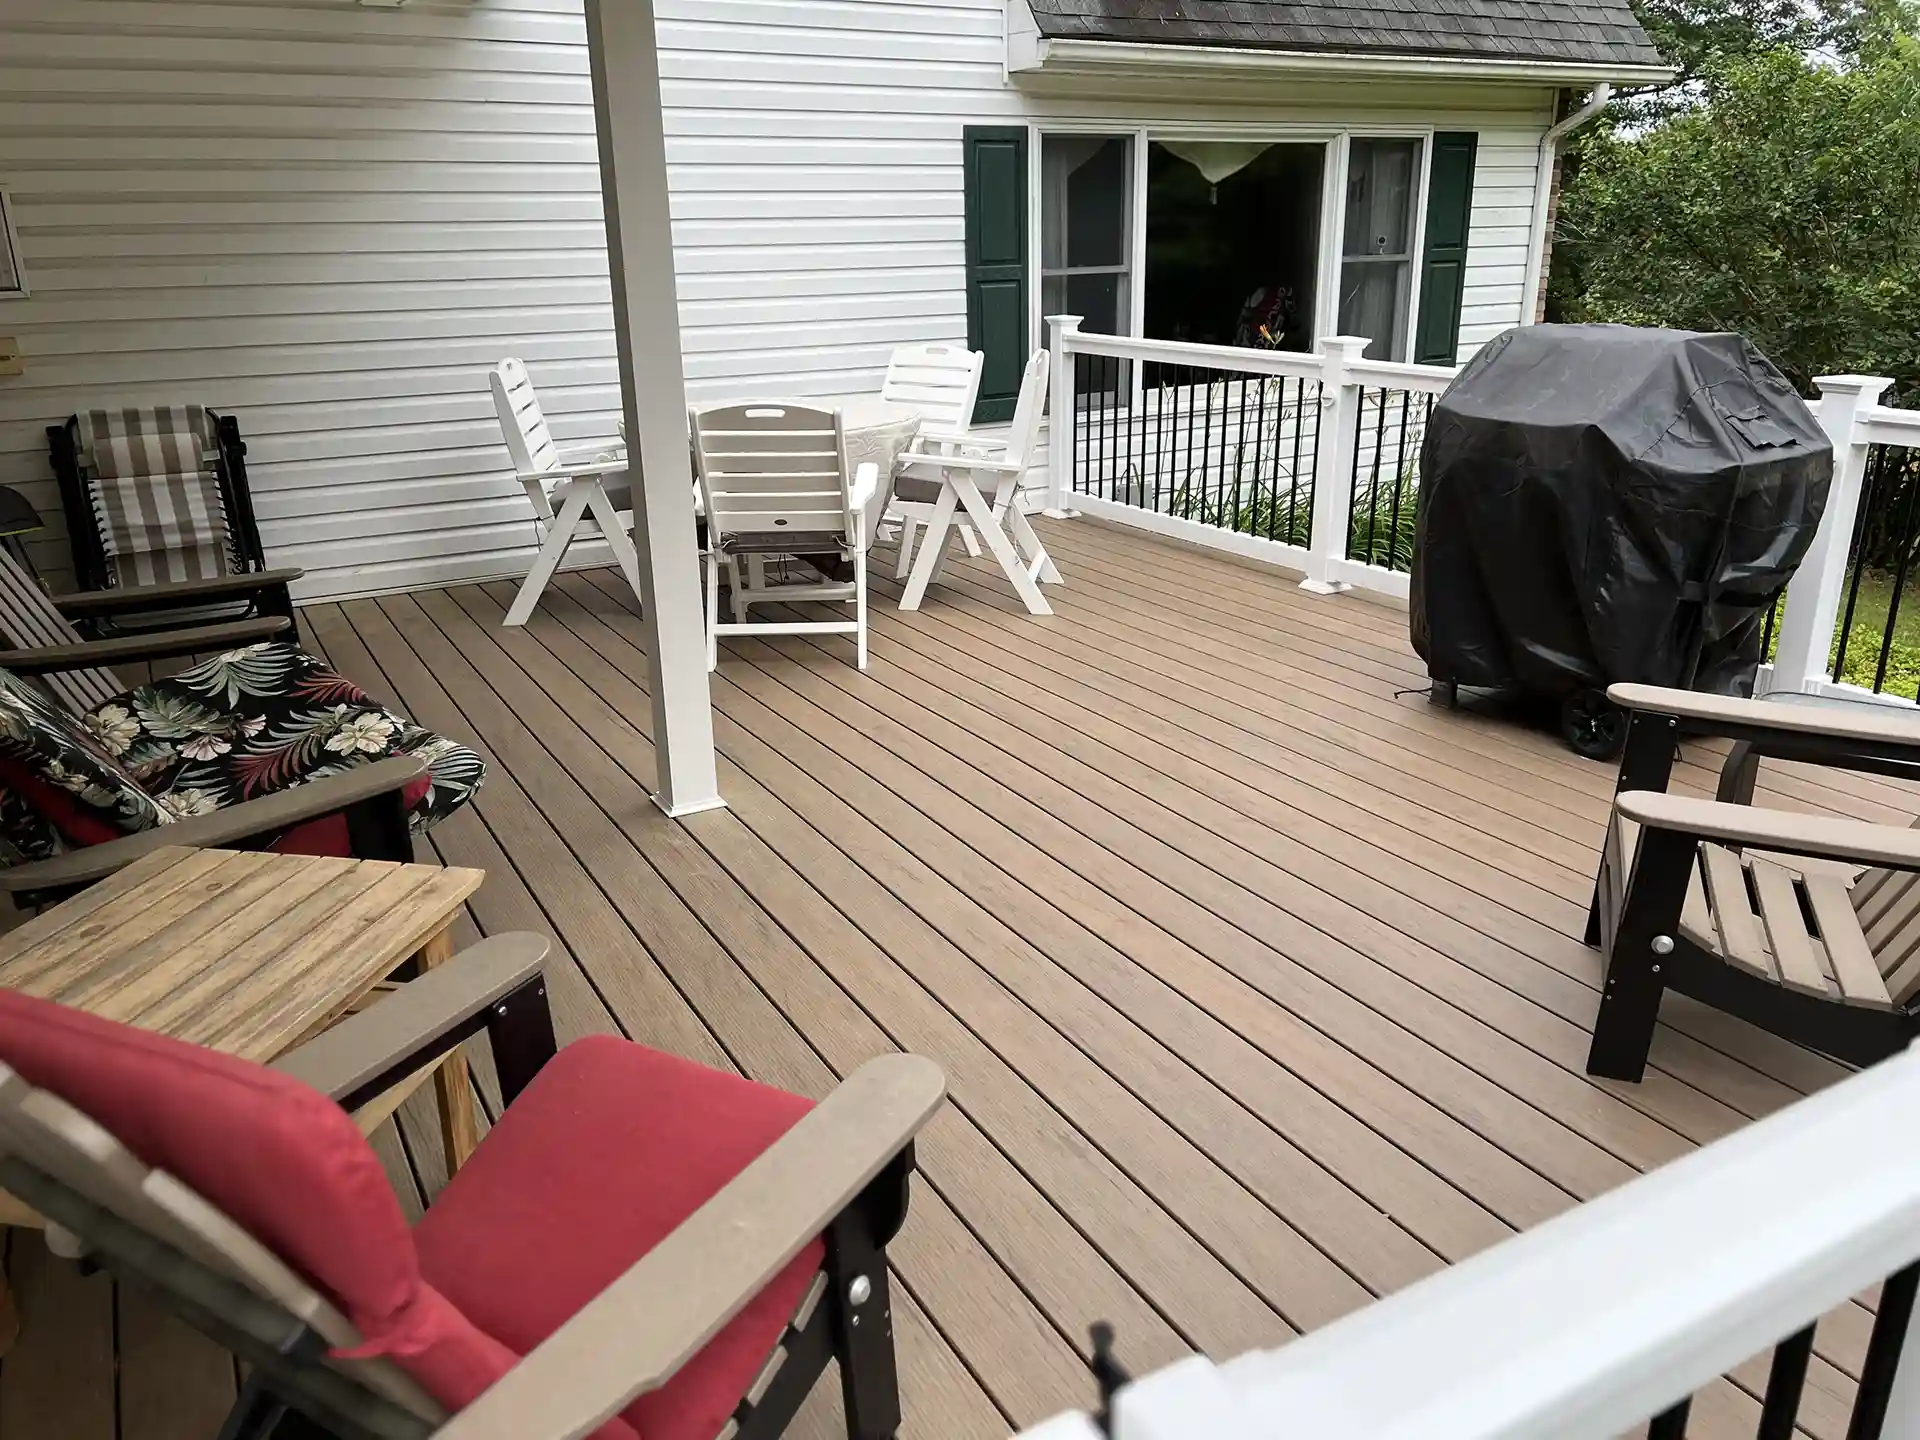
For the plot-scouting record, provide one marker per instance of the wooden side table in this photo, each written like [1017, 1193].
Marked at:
[249, 953]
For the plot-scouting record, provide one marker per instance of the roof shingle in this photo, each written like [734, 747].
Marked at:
[1598, 31]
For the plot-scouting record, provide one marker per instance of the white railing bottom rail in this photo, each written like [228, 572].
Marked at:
[1613, 1313]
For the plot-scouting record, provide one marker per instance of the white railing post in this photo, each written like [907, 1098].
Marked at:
[1813, 595]
[1903, 1406]
[1060, 332]
[1333, 463]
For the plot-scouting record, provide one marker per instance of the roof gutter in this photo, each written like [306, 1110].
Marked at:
[1064, 56]
[1543, 195]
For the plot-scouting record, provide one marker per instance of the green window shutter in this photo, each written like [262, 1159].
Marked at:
[996, 189]
[1443, 271]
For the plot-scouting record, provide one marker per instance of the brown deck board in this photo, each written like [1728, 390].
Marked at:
[1258, 981]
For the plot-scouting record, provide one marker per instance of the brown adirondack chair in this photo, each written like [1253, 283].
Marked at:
[1806, 926]
[640, 1244]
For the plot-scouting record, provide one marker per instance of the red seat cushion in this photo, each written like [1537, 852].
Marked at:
[277, 1157]
[609, 1148]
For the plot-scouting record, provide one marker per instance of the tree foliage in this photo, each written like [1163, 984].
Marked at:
[1784, 203]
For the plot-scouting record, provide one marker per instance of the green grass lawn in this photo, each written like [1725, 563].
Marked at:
[1869, 625]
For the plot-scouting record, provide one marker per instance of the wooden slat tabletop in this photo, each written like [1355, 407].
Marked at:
[241, 951]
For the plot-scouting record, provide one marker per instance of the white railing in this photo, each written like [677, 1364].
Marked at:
[1815, 606]
[1614, 1313]
[1308, 461]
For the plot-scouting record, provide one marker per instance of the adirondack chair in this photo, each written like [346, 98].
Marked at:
[261, 747]
[157, 497]
[568, 490]
[640, 1245]
[1003, 528]
[773, 479]
[942, 382]
[1806, 926]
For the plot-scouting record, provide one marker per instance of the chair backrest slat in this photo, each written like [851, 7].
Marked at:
[765, 468]
[522, 422]
[29, 621]
[1024, 434]
[940, 381]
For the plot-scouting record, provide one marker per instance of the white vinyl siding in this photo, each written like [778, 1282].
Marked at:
[332, 220]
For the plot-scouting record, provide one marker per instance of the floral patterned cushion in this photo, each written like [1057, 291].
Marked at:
[256, 721]
[59, 785]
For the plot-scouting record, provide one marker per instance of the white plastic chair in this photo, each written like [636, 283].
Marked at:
[773, 478]
[942, 382]
[1003, 527]
[567, 490]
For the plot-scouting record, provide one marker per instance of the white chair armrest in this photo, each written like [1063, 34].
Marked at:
[957, 440]
[934, 464]
[1787, 832]
[560, 474]
[866, 479]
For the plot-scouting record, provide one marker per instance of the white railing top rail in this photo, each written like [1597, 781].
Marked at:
[1291, 363]
[1393, 375]
[1887, 425]
[1606, 1315]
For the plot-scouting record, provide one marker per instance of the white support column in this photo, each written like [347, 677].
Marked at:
[646, 322]
[1333, 463]
[1813, 595]
[1060, 415]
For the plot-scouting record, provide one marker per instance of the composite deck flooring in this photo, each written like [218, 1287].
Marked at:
[1256, 977]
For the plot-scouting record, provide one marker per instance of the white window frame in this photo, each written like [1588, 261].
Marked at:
[1333, 206]
[10, 243]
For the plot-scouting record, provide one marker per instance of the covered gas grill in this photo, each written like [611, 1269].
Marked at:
[1600, 503]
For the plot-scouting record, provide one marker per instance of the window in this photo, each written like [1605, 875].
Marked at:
[13, 274]
[1376, 264]
[1233, 239]
[1216, 238]
[1084, 239]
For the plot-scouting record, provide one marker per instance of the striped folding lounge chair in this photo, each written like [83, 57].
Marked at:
[157, 496]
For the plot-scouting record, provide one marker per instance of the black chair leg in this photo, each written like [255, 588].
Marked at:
[1645, 764]
[378, 829]
[520, 1032]
[1739, 775]
[1630, 1003]
[863, 1322]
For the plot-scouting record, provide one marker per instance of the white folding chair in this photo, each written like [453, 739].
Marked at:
[941, 382]
[567, 490]
[773, 478]
[1008, 534]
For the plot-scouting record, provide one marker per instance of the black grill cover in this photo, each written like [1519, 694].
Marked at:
[1600, 503]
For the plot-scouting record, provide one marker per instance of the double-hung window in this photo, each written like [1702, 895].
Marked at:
[1224, 238]
[1376, 249]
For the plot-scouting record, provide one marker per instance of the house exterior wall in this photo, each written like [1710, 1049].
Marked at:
[332, 220]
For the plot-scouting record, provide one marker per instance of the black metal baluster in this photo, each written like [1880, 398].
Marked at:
[1163, 469]
[1186, 467]
[1883, 1354]
[1113, 413]
[1209, 501]
[1240, 459]
[1785, 1381]
[1299, 429]
[1260, 453]
[1082, 398]
[1671, 1424]
[1869, 496]
[1399, 471]
[1373, 483]
[1899, 584]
